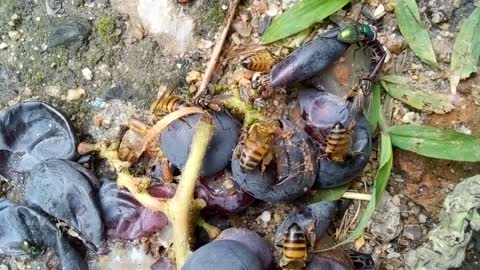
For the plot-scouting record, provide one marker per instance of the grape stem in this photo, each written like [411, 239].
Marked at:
[236, 104]
[182, 208]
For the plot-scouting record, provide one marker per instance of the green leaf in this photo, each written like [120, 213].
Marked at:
[380, 183]
[466, 50]
[414, 31]
[436, 143]
[331, 194]
[398, 88]
[301, 16]
[373, 113]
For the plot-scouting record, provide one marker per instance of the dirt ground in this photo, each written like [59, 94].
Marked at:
[120, 60]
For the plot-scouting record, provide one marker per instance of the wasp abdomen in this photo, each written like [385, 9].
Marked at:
[338, 143]
[252, 155]
[260, 61]
[294, 253]
[169, 104]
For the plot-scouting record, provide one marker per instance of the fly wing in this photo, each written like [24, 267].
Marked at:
[342, 20]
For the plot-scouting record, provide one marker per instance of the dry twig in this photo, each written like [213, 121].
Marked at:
[217, 49]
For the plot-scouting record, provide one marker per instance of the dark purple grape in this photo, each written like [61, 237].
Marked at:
[307, 61]
[63, 189]
[320, 111]
[295, 164]
[124, 217]
[332, 174]
[220, 199]
[24, 231]
[314, 218]
[176, 139]
[31, 132]
[252, 241]
[223, 255]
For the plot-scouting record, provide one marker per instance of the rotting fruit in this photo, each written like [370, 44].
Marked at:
[32, 132]
[222, 194]
[175, 142]
[320, 112]
[291, 174]
[223, 254]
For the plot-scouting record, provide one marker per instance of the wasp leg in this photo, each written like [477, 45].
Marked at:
[266, 160]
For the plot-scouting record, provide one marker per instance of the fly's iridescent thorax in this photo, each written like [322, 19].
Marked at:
[368, 32]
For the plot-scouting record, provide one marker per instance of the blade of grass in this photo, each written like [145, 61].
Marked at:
[373, 112]
[465, 51]
[436, 143]
[301, 16]
[398, 88]
[414, 31]
[380, 183]
[331, 194]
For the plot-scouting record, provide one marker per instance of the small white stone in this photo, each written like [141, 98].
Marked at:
[3, 45]
[37, 19]
[14, 35]
[465, 130]
[265, 217]
[104, 70]
[87, 74]
[422, 218]
[15, 17]
[224, 7]
[53, 90]
[44, 47]
[75, 94]
[408, 117]
[379, 12]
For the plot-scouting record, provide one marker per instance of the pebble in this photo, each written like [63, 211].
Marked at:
[193, 76]
[395, 43]
[464, 129]
[422, 218]
[104, 71]
[3, 46]
[53, 90]
[75, 94]
[409, 117]
[265, 217]
[412, 232]
[242, 28]
[228, 184]
[14, 35]
[386, 223]
[87, 74]
[3, 267]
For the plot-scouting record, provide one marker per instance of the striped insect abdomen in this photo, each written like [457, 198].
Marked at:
[252, 154]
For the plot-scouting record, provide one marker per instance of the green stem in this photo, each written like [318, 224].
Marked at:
[236, 104]
[181, 204]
